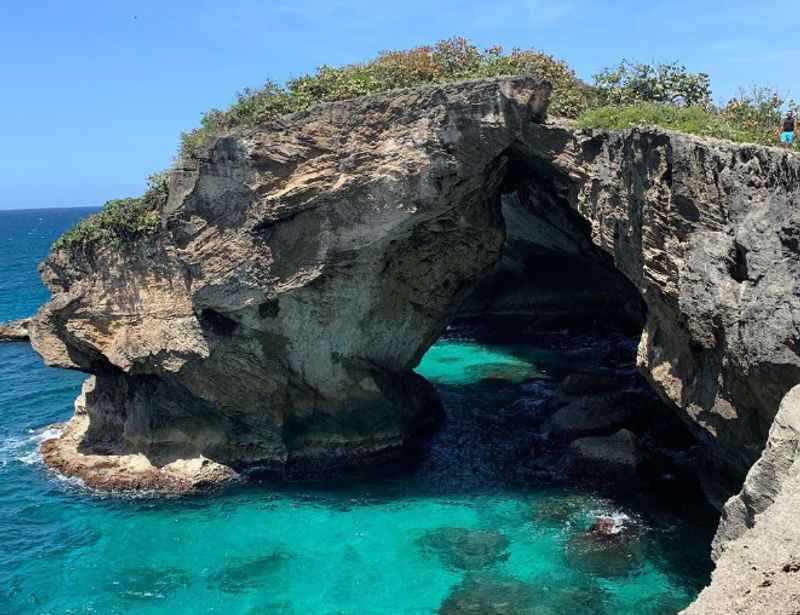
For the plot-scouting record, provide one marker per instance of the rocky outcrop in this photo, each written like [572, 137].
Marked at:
[302, 269]
[15, 330]
[107, 466]
[756, 545]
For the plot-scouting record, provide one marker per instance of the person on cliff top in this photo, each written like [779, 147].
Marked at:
[788, 129]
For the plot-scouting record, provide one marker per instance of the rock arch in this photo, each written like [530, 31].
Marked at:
[303, 267]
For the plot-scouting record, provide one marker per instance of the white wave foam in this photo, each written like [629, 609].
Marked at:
[25, 449]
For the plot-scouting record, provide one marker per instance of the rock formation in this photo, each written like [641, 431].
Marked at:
[756, 545]
[15, 330]
[302, 269]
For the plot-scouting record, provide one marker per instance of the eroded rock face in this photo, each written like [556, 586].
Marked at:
[756, 545]
[304, 267]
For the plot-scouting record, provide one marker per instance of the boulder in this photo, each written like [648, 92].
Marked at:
[15, 330]
[588, 416]
[589, 383]
[613, 546]
[612, 458]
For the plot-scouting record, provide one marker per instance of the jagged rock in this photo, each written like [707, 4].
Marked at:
[608, 551]
[758, 539]
[109, 466]
[466, 549]
[225, 334]
[15, 330]
[615, 456]
[588, 416]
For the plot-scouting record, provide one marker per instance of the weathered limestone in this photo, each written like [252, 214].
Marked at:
[305, 266]
[15, 330]
[756, 546]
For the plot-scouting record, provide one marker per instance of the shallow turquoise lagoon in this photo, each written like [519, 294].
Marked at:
[314, 549]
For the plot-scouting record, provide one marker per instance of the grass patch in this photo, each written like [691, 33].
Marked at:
[700, 121]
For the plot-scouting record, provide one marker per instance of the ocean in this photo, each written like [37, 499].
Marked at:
[454, 530]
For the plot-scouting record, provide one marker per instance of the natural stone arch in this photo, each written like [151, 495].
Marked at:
[303, 267]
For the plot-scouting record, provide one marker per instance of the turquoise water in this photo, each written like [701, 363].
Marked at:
[375, 546]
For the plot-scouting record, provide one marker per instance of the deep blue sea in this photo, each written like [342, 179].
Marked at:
[399, 543]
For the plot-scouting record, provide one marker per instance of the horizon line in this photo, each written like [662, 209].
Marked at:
[2, 210]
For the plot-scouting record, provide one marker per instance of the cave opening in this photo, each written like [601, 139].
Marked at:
[537, 370]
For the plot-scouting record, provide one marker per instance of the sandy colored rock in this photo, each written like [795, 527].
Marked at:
[757, 545]
[120, 471]
[303, 267]
[15, 330]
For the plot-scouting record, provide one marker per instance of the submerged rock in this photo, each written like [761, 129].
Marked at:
[523, 413]
[15, 330]
[562, 510]
[589, 383]
[491, 595]
[466, 549]
[247, 574]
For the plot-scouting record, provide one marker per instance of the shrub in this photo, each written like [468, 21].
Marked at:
[447, 61]
[631, 83]
[760, 111]
[120, 220]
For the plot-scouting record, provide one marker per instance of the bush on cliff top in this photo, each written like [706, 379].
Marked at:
[668, 96]
[447, 61]
[120, 220]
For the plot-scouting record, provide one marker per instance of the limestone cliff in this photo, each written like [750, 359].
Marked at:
[303, 268]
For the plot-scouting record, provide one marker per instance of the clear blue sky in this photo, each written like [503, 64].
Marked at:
[95, 94]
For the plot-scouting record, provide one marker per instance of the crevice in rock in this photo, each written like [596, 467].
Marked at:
[737, 263]
[217, 322]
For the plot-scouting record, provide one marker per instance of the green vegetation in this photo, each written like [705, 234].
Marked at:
[120, 220]
[693, 120]
[668, 96]
[626, 96]
[447, 61]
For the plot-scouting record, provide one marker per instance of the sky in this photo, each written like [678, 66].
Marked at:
[94, 95]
